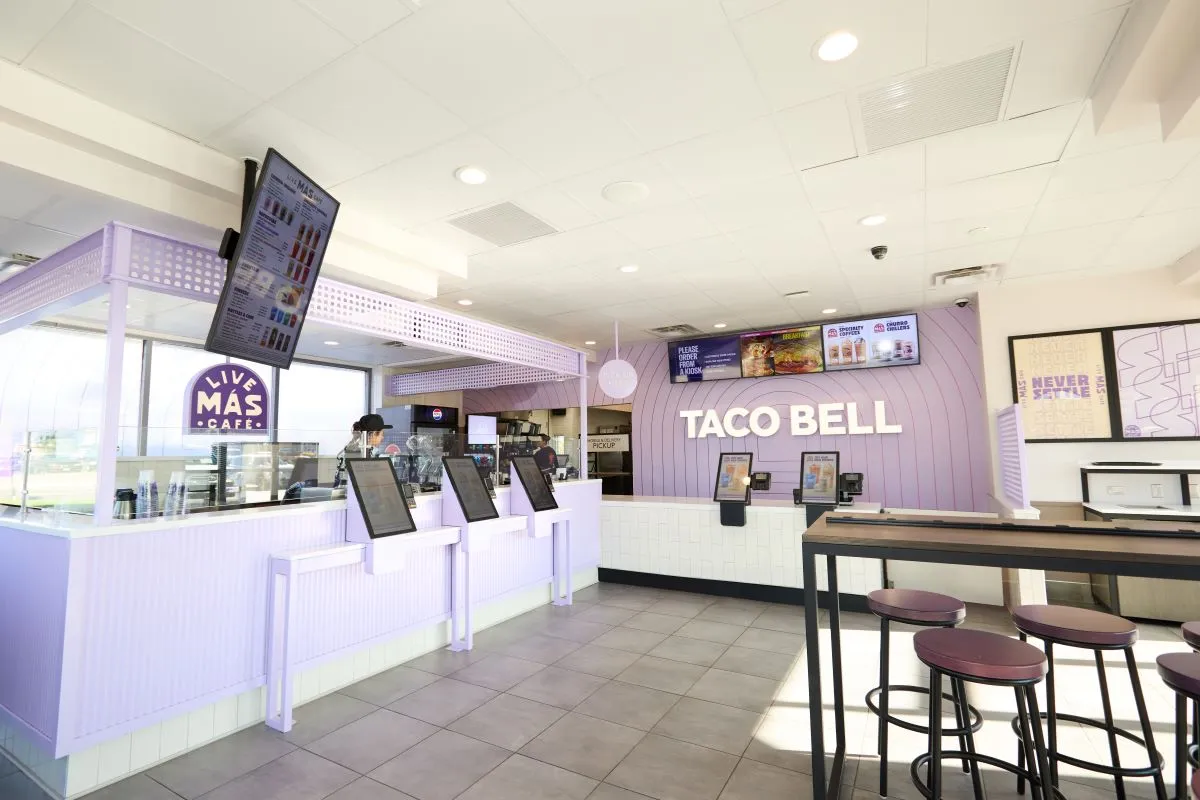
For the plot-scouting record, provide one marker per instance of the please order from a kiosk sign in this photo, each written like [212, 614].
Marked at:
[826, 419]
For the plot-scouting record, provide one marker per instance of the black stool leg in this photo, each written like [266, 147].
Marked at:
[1051, 718]
[1160, 786]
[959, 689]
[1020, 747]
[1027, 742]
[1108, 722]
[935, 734]
[1196, 728]
[1039, 746]
[961, 719]
[1181, 787]
[884, 677]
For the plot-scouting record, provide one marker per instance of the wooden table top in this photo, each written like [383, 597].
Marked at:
[1125, 541]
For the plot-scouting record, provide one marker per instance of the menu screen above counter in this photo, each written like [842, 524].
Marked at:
[274, 268]
[799, 350]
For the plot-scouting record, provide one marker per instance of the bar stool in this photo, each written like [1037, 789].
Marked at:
[1191, 635]
[1097, 631]
[929, 610]
[986, 658]
[1181, 673]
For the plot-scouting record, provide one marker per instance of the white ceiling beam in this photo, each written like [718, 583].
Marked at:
[1179, 108]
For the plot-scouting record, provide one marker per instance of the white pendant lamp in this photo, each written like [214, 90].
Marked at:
[618, 378]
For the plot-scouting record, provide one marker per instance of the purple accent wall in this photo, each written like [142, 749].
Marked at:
[940, 461]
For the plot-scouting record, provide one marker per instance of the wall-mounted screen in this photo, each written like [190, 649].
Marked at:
[1158, 380]
[534, 483]
[870, 343]
[274, 267]
[791, 351]
[379, 497]
[733, 478]
[713, 359]
[481, 429]
[472, 494]
[819, 478]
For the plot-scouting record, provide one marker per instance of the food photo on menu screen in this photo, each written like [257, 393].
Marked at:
[379, 496]
[819, 478]
[733, 478]
[274, 267]
[791, 351]
[533, 482]
[864, 344]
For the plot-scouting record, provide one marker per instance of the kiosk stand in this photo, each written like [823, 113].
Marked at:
[532, 497]
[819, 483]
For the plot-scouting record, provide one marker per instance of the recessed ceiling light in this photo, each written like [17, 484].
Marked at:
[472, 176]
[466, 302]
[332, 344]
[626, 193]
[589, 342]
[630, 268]
[797, 295]
[872, 220]
[720, 325]
[828, 310]
[836, 46]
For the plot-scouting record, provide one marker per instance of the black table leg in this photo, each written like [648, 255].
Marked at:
[839, 695]
[812, 639]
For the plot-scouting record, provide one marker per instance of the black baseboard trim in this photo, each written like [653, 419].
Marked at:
[744, 591]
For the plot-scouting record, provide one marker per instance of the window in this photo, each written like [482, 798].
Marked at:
[171, 368]
[319, 404]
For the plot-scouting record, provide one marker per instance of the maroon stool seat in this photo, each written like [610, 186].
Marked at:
[1181, 671]
[1191, 634]
[1068, 625]
[980, 655]
[917, 607]
[1196, 784]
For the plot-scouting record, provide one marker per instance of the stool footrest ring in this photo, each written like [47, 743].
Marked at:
[922, 760]
[872, 703]
[1103, 769]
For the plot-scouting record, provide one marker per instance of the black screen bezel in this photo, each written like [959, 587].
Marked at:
[530, 461]
[446, 462]
[350, 470]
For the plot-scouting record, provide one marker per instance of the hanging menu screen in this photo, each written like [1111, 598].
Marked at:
[275, 266]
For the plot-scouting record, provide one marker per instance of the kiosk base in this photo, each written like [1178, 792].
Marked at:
[733, 515]
[813, 512]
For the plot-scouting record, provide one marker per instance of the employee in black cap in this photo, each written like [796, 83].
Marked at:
[368, 435]
[546, 458]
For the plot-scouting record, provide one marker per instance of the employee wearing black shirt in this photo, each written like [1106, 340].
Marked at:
[546, 458]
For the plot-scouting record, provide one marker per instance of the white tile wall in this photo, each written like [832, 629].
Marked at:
[91, 769]
[689, 541]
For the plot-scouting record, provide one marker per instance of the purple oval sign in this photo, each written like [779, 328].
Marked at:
[226, 397]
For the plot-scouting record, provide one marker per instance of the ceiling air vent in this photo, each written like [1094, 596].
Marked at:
[671, 331]
[935, 102]
[967, 275]
[503, 224]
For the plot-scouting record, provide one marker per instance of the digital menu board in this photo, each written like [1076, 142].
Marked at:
[274, 267]
[733, 478]
[819, 478]
[472, 493]
[864, 344]
[534, 482]
[791, 351]
[713, 359]
[379, 497]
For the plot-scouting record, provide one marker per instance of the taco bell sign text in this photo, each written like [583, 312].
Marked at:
[226, 397]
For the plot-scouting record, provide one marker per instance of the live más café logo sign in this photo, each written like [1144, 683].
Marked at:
[827, 419]
[226, 397]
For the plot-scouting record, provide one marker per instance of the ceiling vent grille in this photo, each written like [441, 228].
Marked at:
[671, 331]
[935, 102]
[967, 275]
[503, 224]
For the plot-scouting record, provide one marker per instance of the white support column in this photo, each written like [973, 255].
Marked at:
[114, 357]
[583, 421]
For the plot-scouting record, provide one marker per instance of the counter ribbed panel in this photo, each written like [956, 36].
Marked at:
[1010, 442]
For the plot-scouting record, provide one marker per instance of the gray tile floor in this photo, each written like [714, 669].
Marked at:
[630, 693]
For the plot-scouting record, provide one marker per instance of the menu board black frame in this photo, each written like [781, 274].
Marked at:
[353, 465]
[837, 471]
[469, 488]
[244, 277]
[532, 479]
[745, 500]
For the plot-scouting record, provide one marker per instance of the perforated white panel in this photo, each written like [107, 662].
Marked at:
[54, 278]
[174, 267]
[1010, 441]
[482, 376]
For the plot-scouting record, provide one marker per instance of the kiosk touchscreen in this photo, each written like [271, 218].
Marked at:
[472, 493]
[819, 478]
[379, 497]
[535, 483]
[733, 478]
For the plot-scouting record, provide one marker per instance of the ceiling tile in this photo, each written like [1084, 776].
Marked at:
[959, 28]
[599, 38]
[1155, 241]
[967, 231]
[1183, 192]
[697, 254]
[669, 225]
[389, 190]
[894, 172]
[1002, 147]
[369, 108]
[26, 23]
[738, 155]
[555, 208]
[457, 239]
[229, 37]
[569, 134]
[361, 19]
[776, 199]
[23, 192]
[905, 275]
[434, 49]
[1120, 169]
[973, 255]
[1146, 128]
[111, 62]
[552, 253]
[780, 40]
[587, 188]
[1060, 251]
[326, 159]
[24, 237]
[679, 100]
[903, 232]
[1059, 62]
[736, 9]
[783, 240]
[1090, 209]
[1023, 187]
[818, 133]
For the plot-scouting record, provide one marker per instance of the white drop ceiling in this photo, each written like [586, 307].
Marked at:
[754, 152]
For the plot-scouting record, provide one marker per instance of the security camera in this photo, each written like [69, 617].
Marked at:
[962, 302]
[879, 251]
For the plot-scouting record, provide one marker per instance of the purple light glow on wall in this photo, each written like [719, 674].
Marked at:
[940, 461]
